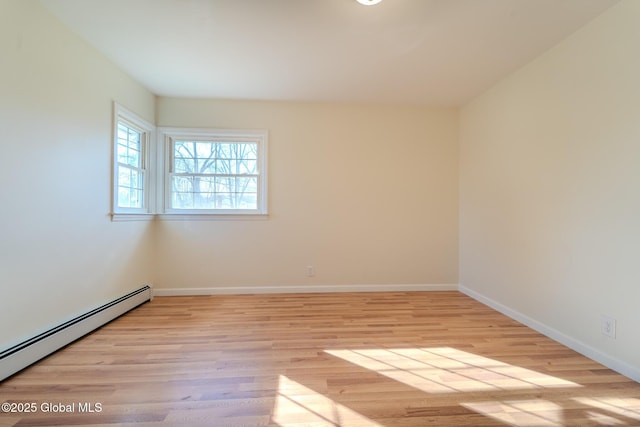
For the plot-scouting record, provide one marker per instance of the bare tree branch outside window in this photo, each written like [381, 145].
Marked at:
[215, 175]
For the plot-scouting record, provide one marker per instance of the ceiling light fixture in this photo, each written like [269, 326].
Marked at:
[368, 2]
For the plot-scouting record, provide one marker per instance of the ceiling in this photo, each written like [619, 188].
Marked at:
[415, 52]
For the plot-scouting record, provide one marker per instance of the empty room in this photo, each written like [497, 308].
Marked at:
[319, 212]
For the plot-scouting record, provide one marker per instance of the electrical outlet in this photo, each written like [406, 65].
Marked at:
[608, 326]
[310, 271]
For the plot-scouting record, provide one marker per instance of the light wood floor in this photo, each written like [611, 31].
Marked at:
[361, 359]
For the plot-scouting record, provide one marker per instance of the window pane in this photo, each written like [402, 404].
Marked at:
[130, 188]
[197, 192]
[129, 146]
[208, 157]
[247, 167]
[183, 165]
[129, 197]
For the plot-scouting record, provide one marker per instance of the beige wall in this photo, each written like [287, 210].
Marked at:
[367, 195]
[60, 255]
[550, 189]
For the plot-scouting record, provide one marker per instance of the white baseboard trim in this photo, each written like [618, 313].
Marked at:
[611, 362]
[238, 290]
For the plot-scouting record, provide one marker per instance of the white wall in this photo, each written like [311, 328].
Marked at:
[550, 189]
[60, 255]
[367, 195]
[548, 169]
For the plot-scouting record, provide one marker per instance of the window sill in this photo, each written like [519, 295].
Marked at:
[212, 217]
[118, 217]
[123, 217]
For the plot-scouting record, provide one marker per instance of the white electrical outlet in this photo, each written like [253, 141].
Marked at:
[310, 271]
[608, 326]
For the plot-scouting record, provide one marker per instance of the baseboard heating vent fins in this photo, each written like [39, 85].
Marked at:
[18, 357]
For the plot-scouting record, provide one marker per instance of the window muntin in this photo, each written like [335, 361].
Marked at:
[212, 171]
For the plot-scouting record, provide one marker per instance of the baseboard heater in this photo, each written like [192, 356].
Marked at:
[20, 356]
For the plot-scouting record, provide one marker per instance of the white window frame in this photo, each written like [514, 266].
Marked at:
[147, 130]
[166, 136]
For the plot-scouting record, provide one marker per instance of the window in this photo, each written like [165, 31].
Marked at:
[186, 173]
[131, 178]
[214, 171]
[131, 167]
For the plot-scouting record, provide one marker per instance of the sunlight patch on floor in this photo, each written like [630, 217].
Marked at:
[521, 413]
[297, 405]
[448, 370]
[627, 407]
